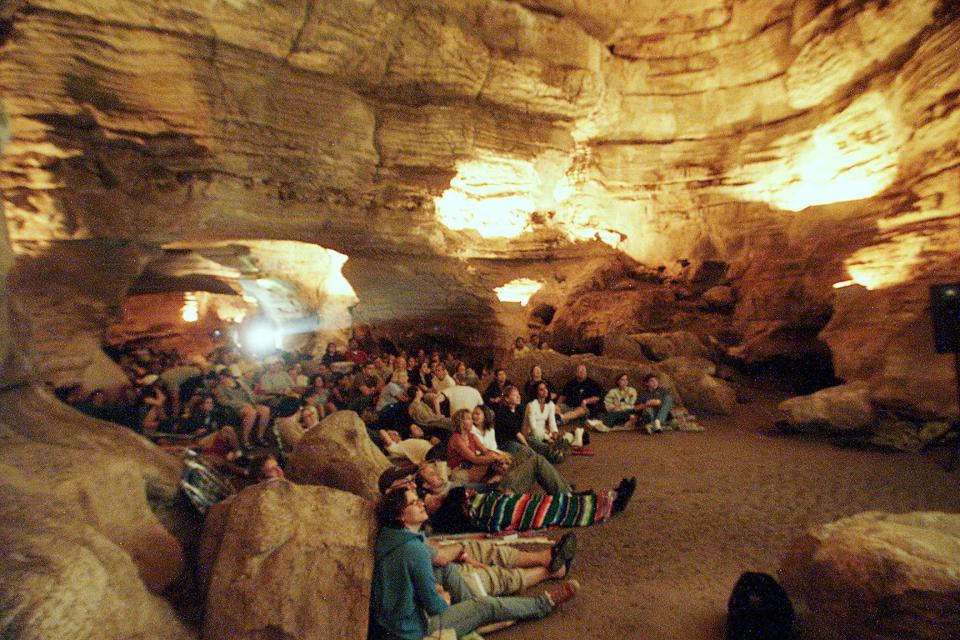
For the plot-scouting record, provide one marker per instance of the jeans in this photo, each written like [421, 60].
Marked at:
[539, 446]
[511, 447]
[467, 615]
[617, 417]
[661, 413]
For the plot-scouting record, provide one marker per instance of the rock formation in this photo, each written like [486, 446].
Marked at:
[877, 575]
[448, 148]
[338, 453]
[777, 179]
[843, 408]
[293, 562]
[83, 548]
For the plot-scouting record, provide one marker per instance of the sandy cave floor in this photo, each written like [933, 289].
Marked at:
[710, 506]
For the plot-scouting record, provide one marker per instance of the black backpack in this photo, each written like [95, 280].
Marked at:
[759, 609]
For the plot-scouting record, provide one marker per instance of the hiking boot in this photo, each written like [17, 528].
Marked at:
[562, 593]
[624, 492]
[562, 553]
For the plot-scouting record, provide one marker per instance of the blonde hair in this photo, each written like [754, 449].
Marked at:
[458, 417]
[400, 377]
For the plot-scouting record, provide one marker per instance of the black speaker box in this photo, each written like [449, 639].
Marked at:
[945, 313]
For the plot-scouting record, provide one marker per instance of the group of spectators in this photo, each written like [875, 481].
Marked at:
[466, 460]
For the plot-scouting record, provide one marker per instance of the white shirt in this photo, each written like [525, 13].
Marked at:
[462, 397]
[442, 385]
[540, 420]
[488, 439]
[618, 399]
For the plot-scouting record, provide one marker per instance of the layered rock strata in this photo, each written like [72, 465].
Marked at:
[804, 144]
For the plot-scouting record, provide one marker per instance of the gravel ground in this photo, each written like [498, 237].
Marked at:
[711, 505]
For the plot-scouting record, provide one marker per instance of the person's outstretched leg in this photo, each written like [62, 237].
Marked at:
[464, 617]
[549, 478]
[529, 468]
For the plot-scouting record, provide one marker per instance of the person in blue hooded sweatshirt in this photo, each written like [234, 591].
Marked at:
[406, 601]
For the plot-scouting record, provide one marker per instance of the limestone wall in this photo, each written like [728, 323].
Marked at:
[803, 143]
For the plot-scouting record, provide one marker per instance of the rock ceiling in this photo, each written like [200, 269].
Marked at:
[447, 147]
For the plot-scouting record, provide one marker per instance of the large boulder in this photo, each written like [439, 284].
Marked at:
[64, 580]
[606, 370]
[660, 346]
[292, 562]
[338, 453]
[83, 553]
[839, 409]
[624, 347]
[876, 576]
[686, 343]
[694, 381]
[719, 298]
[557, 368]
[654, 345]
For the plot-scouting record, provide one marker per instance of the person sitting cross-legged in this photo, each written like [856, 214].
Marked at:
[619, 403]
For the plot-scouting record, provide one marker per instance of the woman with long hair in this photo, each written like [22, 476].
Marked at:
[483, 426]
[467, 458]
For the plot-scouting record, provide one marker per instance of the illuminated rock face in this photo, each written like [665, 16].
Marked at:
[449, 148]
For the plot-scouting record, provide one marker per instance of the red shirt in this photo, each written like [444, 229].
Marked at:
[359, 356]
[455, 458]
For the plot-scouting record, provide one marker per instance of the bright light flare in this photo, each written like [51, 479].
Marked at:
[889, 263]
[261, 337]
[852, 156]
[191, 307]
[495, 195]
[519, 290]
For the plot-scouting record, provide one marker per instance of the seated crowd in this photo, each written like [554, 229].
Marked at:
[465, 461]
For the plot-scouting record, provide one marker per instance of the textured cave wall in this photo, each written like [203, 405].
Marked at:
[82, 547]
[803, 143]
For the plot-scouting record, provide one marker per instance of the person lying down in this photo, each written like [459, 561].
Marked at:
[462, 509]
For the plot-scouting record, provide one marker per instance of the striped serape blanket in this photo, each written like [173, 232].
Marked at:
[496, 512]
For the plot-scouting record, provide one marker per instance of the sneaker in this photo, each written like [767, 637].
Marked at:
[657, 426]
[648, 428]
[562, 553]
[562, 593]
[597, 425]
